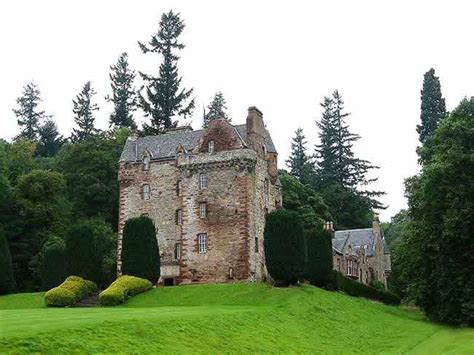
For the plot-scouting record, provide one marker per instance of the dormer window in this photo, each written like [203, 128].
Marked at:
[210, 146]
[146, 162]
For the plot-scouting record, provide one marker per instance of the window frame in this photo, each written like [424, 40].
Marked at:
[203, 181]
[146, 196]
[203, 210]
[146, 162]
[202, 243]
[178, 187]
[177, 251]
[211, 146]
[179, 217]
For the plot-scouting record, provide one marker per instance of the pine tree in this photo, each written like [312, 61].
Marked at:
[216, 109]
[336, 162]
[164, 98]
[433, 106]
[299, 162]
[84, 114]
[50, 141]
[124, 96]
[29, 118]
[433, 109]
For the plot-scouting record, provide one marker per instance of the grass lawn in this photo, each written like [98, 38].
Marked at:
[226, 319]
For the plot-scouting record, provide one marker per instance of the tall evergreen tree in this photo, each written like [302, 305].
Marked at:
[164, 99]
[433, 109]
[28, 116]
[84, 114]
[50, 141]
[124, 95]
[336, 161]
[299, 162]
[216, 109]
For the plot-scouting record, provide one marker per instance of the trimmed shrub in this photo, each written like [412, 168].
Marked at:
[7, 281]
[72, 290]
[357, 289]
[140, 253]
[284, 246]
[318, 257]
[52, 262]
[122, 288]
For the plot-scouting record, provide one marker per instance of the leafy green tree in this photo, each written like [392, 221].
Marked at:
[284, 246]
[216, 109]
[20, 159]
[7, 281]
[303, 200]
[299, 163]
[28, 116]
[433, 109]
[124, 96]
[52, 262]
[88, 244]
[140, 253]
[164, 98]
[438, 250]
[318, 256]
[50, 141]
[84, 114]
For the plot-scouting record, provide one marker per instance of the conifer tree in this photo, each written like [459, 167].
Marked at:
[50, 141]
[28, 116]
[124, 96]
[84, 114]
[216, 109]
[165, 100]
[336, 161]
[299, 162]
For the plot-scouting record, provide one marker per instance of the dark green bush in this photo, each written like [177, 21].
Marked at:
[122, 288]
[7, 282]
[140, 253]
[318, 256]
[284, 246]
[357, 289]
[72, 290]
[52, 262]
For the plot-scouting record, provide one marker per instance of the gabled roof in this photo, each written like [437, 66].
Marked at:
[164, 145]
[356, 238]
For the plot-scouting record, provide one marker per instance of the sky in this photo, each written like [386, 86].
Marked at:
[281, 56]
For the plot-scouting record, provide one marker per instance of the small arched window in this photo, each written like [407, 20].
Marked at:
[146, 192]
[146, 162]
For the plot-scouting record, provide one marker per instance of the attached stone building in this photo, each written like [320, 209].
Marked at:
[362, 254]
[208, 192]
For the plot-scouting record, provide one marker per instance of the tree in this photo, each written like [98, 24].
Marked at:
[299, 162]
[88, 244]
[284, 246]
[52, 261]
[140, 253]
[439, 248]
[318, 243]
[84, 114]
[302, 199]
[21, 159]
[49, 139]
[124, 95]
[216, 109]
[433, 108]
[164, 99]
[7, 282]
[28, 116]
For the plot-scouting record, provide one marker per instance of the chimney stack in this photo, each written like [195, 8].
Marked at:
[376, 224]
[256, 130]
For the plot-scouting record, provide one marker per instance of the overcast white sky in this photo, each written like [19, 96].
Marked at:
[281, 56]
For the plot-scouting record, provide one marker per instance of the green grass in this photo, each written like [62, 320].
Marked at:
[226, 319]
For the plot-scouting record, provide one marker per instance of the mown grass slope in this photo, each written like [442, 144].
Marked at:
[226, 318]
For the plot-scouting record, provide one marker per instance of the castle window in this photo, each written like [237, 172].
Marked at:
[202, 243]
[203, 183]
[203, 209]
[349, 267]
[264, 151]
[177, 251]
[146, 162]
[146, 192]
[179, 217]
[256, 244]
[231, 273]
[210, 146]
[178, 188]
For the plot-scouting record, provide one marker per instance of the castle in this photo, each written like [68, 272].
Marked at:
[208, 192]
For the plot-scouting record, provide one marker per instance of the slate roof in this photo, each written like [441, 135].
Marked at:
[164, 145]
[357, 238]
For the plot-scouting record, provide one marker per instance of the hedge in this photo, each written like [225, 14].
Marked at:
[72, 290]
[357, 289]
[124, 287]
[318, 258]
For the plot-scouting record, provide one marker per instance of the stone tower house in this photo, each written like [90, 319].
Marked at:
[208, 192]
